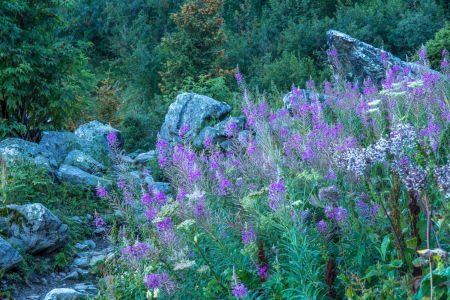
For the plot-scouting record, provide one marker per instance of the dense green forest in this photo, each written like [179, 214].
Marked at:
[123, 61]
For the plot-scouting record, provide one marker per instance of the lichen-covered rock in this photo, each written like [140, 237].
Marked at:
[33, 228]
[60, 143]
[146, 157]
[64, 294]
[9, 257]
[85, 162]
[358, 61]
[194, 111]
[96, 131]
[74, 175]
[13, 150]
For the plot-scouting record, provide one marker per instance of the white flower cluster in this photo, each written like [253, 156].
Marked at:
[402, 137]
[356, 160]
[442, 175]
[414, 178]
[352, 160]
[377, 152]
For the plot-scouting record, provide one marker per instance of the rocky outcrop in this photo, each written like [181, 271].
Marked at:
[85, 162]
[356, 61]
[191, 112]
[94, 130]
[80, 158]
[145, 158]
[9, 257]
[77, 176]
[13, 150]
[33, 228]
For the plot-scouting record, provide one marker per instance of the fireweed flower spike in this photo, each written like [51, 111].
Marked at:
[322, 227]
[112, 139]
[238, 76]
[101, 192]
[98, 221]
[248, 235]
[183, 130]
[239, 291]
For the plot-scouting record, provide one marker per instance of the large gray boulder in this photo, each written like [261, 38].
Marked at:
[64, 294]
[13, 150]
[60, 143]
[357, 61]
[193, 110]
[33, 228]
[9, 257]
[74, 175]
[96, 132]
[85, 162]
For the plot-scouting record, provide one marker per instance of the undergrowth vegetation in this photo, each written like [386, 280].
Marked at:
[344, 198]
[23, 183]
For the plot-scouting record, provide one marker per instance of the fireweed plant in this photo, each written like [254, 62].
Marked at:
[341, 198]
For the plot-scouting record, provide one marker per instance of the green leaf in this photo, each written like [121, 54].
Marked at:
[384, 247]
[411, 243]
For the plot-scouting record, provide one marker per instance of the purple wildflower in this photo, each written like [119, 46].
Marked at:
[98, 221]
[101, 192]
[238, 76]
[263, 273]
[231, 128]
[338, 214]
[383, 57]
[155, 280]
[183, 130]
[239, 291]
[199, 209]
[112, 139]
[331, 175]
[160, 197]
[322, 226]
[121, 183]
[423, 53]
[248, 235]
[165, 225]
[207, 142]
[128, 197]
[333, 52]
[277, 193]
[151, 213]
[138, 250]
[146, 199]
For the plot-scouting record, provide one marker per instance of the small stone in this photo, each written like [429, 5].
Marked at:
[82, 273]
[87, 288]
[63, 294]
[77, 219]
[100, 230]
[95, 259]
[81, 247]
[72, 276]
[90, 243]
[81, 262]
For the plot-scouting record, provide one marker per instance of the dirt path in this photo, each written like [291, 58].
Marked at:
[84, 262]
